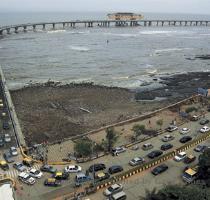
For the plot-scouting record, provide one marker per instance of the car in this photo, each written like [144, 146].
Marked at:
[184, 131]
[180, 156]
[204, 121]
[48, 168]
[20, 167]
[7, 138]
[194, 118]
[159, 169]
[166, 146]
[115, 169]
[147, 146]
[204, 129]
[172, 128]
[118, 196]
[52, 182]
[113, 189]
[13, 151]
[1, 142]
[101, 176]
[28, 162]
[81, 178]
[154, 154]
[5, 125]
[35, 173]
[4, 165]
[61, 175]
[73, 169]
[135, 148]
[118, 150]
[8, 157]
[97, 167]
[26, 178]
[185, 139]
[200, 148]
[167, 138]
[189, 159]
[136, 161]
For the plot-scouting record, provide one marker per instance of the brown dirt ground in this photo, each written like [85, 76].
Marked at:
[51, 113]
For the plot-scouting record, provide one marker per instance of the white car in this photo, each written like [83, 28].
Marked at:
[73, 169]
[167, 138]
[7, 138]
[13, 151]
[26, 178]
[35, 173]
[180, 156]
[204, 129]
[136, 161]
[184, 131]
[118, 150]
[172, 128]
[113, 189]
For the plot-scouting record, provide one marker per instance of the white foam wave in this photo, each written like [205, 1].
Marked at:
[122, 34]
[156, 32]
[79, 48]
[120, 77]
[152, 71]
[78, 32]
[171, 49]
[56, 31]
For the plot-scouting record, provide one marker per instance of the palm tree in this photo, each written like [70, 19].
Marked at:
[111, 137]
[138, 130]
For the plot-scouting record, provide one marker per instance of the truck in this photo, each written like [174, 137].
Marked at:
[190, 174]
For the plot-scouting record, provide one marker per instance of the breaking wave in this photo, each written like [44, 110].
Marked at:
[171, 49]
[56, 31]
[79, 48]
[122, 34]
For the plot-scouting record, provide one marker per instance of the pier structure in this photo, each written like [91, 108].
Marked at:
[98, 23]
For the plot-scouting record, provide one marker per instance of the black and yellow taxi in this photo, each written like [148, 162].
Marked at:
[52, 182]
[60, 175]
[28, 162]
[4, 165]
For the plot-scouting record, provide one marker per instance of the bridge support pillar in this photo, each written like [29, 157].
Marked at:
[53, 26]
[185, 23]
[180, 23]
[43, 26]
[1, 32]
[174, 23]
[34, 27]
[201, 23]
[206, 23]
[25, 29]
[145, 23]
[162, 23]
[16, 29]
[196, 23]
[157, 24]
[64, 24]
[8, 30]
[150, 23]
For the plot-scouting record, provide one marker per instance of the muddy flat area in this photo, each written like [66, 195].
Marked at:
[51, 112]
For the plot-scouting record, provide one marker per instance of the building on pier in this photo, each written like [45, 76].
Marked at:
[125, 16]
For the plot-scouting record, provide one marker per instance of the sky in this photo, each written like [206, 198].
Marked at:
[158, 6]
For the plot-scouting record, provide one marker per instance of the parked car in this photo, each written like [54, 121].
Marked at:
[101, 176]
[200, 148]
[20, 167]
[189, 159]
[8, 157]
[194, 118]
[113, 189]
[81, 178]
[97, 167]
[52, 182]
[5, 125]
[159, 169]
[1, 142]
[180, 156]
[35, 173]
[204, 121]
[136, 161]
[13, 151]
[172, 128]
[166, 147]
[4, 165]
[204, 129]
[118, 196]
[115, 169]
[118, 150]
[7, 138]
[48, 168]
[26, 178]
[61, 175]
[185, 139]
[147, 146]
[184, 131]
[73, 169]
[167, 138]
[135, 147]
[154, 154]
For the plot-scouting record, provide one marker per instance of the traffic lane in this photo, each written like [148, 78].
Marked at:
[137, 185]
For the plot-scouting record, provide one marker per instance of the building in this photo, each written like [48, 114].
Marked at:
[6, 192]
[125, 16]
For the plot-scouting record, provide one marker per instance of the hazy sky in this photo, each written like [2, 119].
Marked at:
[173, 6]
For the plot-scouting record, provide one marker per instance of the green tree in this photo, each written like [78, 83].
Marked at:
[138, 130]
[111, 137]
[84, 147]
[204, 165]
[159, 122]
